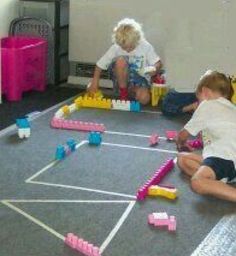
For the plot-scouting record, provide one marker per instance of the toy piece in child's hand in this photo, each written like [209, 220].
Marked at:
[149, 69]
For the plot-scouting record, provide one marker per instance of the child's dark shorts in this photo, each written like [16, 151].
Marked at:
[223, 168]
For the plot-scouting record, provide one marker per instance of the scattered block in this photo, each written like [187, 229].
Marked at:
[155, 190]
[154, 139]
[63, 150]
[81, 245]
[95, 138]
[23, 126]
[161, 219]
[171, 135]
[155, 179]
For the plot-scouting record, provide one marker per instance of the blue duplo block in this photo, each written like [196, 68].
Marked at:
[95, 138]
[22, 123]
[135, 106]
[71, 144]
[60, 152]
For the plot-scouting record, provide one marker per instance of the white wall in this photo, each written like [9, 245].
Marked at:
[8, 11]
[190, 36]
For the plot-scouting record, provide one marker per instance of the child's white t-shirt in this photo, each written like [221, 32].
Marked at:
[141, 57]
[216, 119]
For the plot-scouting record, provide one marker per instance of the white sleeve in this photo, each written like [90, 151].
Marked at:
[107, 58]
[198, 122]
[152, 57]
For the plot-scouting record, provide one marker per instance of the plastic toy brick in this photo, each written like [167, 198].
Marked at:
[90, 102]
[60, 152]
[233, 83]
[71, 143]
[161, 219]
[59, 114]
[66, 110]
[162, 191]
[61, 123]
[97, 95]
[81, 245]
[63, 150]
[158, 91]
[121, 105]
[95, 138]
[196, 144]
[154, 139]
[171, 135]
[156, 179]
[135, 106]
[78, 102]
[72, 108]
[22, 123]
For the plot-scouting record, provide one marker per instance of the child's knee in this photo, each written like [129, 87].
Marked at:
[121, 62]
[143, 96]
[196, 185]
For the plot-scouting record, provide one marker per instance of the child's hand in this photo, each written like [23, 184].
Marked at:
[92, 89]
[184, 147]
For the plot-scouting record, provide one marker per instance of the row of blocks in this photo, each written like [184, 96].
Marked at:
[103, 103]
[81, 245]
[155, 179]
[61, 123]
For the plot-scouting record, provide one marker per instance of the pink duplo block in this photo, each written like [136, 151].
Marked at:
[61, 123]
[157, 177]
[196, 144]
[154, 139]
[162, 219]
[81, 245]
[172, 223]
[171, 135]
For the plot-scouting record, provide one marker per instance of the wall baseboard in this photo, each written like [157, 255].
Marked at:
[84, 81]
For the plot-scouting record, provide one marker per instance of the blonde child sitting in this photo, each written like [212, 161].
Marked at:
[131, 62]
[215, 118]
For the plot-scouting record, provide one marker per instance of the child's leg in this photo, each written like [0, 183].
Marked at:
[204, 182]
[143, 95]
[121, 73]
[189, 163]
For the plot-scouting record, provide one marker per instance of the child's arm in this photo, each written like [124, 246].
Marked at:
[156, 68]
[94, 85]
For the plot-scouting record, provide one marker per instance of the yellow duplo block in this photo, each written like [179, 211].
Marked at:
[96, 103]
[158, 91]
[169, 193]
[78, 102]
[66, 110]
[234, 88]
[97, 95]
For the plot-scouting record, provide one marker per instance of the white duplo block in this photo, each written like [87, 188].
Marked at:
[24, 133]
[72, 108]
[59, 114]
[121, 105]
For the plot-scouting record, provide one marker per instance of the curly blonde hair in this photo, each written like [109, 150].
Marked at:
[127, 33]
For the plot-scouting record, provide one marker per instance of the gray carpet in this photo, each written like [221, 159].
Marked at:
[119, 166]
